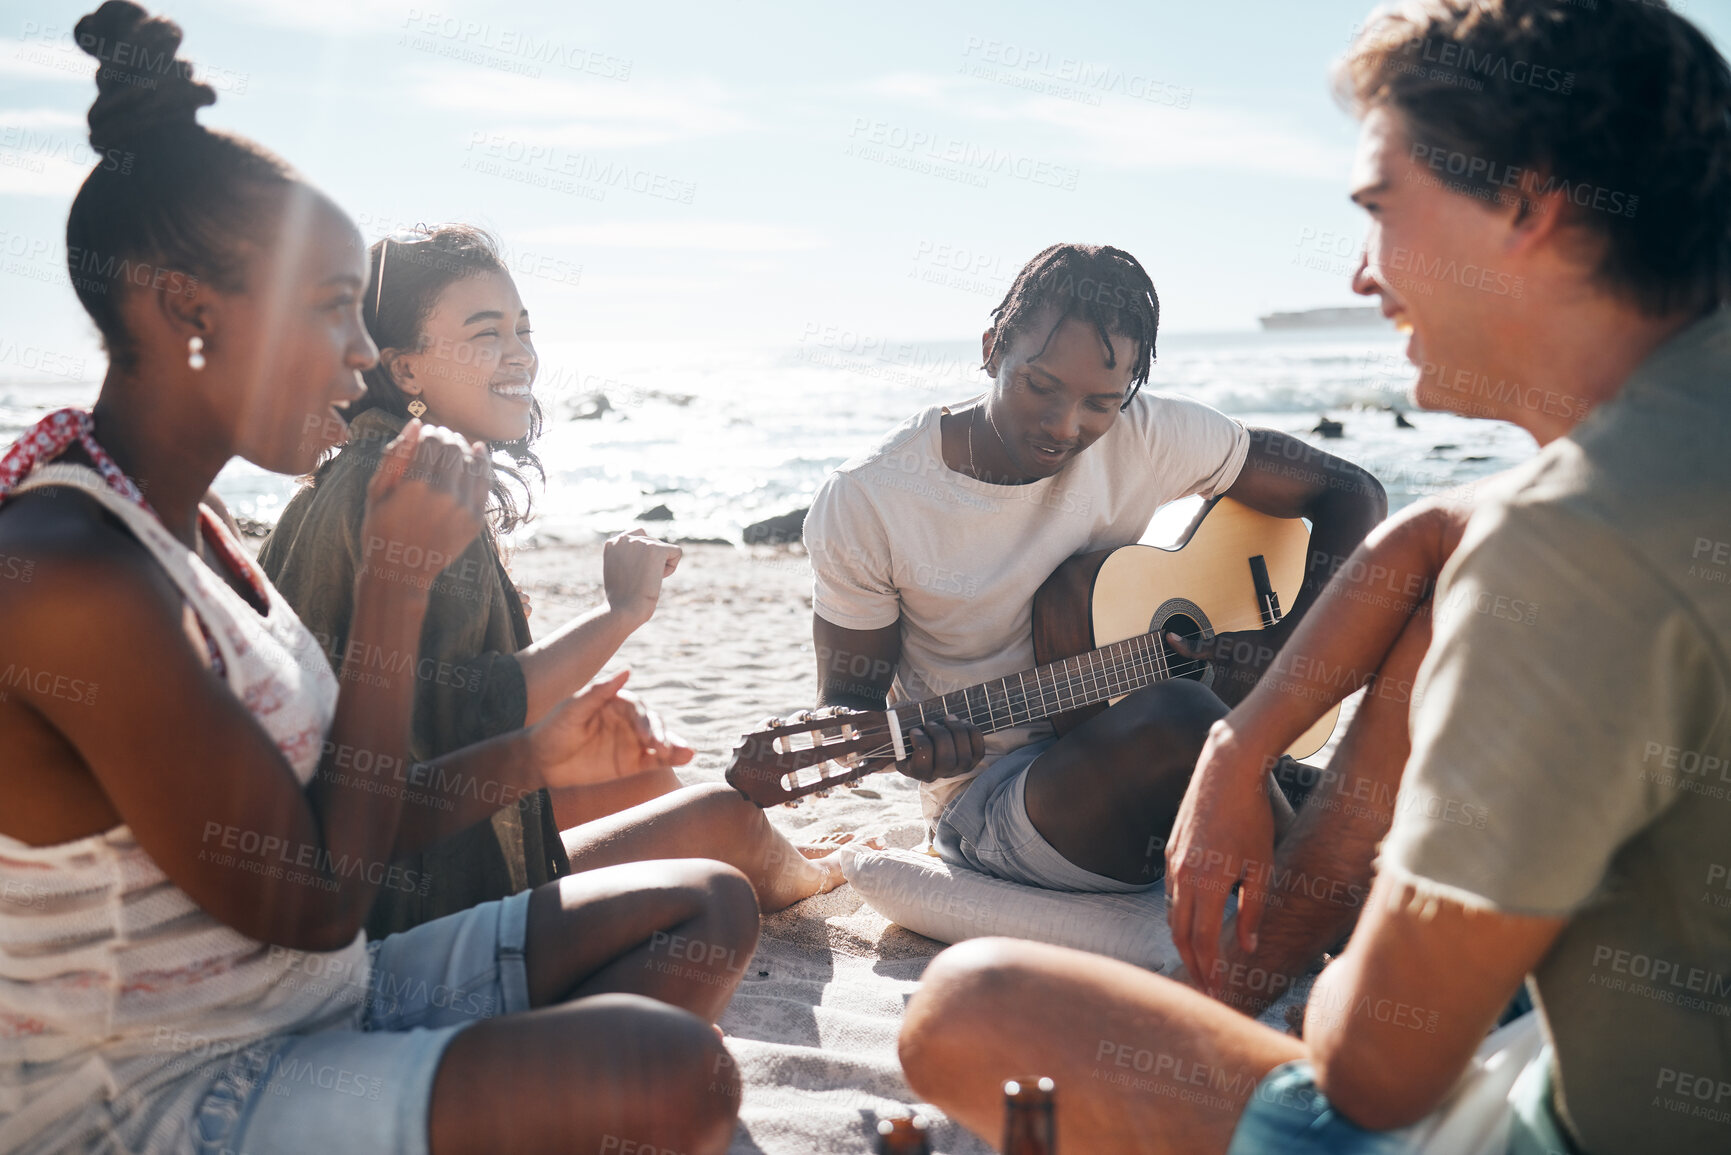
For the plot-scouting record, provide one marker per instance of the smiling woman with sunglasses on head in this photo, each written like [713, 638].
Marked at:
[199, 814]
[456, 350]
[455, 345]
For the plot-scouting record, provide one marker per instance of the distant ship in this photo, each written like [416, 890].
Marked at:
[1348, 317]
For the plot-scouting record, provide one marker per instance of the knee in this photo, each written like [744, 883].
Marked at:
[966, 996]
[727, 901]
[705, 1076]
[1175, 714]
[720, 805]
[681, 1060]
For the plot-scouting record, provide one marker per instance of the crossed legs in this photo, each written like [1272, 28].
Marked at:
[628, 969]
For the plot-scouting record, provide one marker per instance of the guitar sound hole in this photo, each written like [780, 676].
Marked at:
[1187, 628]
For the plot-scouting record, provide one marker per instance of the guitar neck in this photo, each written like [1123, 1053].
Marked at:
[1054, 688]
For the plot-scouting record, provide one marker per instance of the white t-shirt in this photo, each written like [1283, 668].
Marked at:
[897, 535]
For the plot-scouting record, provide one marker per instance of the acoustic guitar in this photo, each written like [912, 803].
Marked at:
[1100, 625]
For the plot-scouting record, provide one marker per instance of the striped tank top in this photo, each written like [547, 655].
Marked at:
[120, 999]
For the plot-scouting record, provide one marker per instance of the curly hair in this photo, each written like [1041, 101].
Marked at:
[1104, 286]
[1624, 107]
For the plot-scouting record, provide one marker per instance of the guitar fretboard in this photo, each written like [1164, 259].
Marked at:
[1054, 688]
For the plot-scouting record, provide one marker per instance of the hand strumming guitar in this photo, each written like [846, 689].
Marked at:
[602, 733]
[1239, 657]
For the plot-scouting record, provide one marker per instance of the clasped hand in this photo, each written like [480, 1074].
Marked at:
[602, 733]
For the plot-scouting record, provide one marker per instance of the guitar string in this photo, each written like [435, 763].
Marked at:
[1135, 663]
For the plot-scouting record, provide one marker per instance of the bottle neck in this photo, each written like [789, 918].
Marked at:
[1029, 1130]
[903, 1137]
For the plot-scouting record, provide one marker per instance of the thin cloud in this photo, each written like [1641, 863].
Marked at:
[43, 118]
[327, 17]
[711, 236]
[1126, 134]
[580, 114]
[44, 59]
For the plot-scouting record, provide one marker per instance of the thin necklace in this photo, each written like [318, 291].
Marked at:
[972, 469]
[982, 409]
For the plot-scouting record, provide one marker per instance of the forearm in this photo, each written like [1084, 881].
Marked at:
[558, 666]
[852, 701]
[1318, 883]
[1341, 518]
[368, 738]
[467, 786]
[1345, 637]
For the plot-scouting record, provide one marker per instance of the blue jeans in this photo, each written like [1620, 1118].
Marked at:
[350, 1092]
[1288, 1114]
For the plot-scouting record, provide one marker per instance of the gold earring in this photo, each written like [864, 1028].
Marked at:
[417, 407]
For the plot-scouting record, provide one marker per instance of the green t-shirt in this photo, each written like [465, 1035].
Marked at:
[1572, 750]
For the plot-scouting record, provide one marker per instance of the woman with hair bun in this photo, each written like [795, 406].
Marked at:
[199, 814]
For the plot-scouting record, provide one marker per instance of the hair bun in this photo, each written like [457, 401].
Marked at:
[141, 85]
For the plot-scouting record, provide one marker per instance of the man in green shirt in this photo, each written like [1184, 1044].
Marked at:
[1565, 812]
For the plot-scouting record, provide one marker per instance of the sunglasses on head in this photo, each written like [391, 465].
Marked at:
[411, 235]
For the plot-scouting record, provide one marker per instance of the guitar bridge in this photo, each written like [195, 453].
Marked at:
[1267, 601]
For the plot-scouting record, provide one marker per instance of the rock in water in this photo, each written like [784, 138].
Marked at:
[659, 513]
[1329, 428]
[776, 530]
[590, 407]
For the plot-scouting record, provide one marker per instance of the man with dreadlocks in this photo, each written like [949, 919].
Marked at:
[927, 553]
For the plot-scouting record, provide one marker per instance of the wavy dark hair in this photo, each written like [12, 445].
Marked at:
[1104, 286]
[169, 201]
[1625, 107]
[404, 280]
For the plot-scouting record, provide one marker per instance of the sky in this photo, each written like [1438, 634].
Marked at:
[751, 173]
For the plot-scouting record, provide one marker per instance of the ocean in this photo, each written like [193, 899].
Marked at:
[723, 437]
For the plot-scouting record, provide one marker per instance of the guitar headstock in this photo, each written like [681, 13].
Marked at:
[787, 761]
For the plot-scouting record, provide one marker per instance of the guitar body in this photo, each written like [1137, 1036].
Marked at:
[1201, 587]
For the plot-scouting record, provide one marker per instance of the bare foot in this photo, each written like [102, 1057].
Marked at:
[832, 875]
[846, 845]
[826, 844]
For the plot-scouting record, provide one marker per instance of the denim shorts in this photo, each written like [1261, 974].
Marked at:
[349, 1092]
[1507, 1113]
[986, 828]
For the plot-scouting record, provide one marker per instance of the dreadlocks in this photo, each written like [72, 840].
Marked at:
[1104, 286]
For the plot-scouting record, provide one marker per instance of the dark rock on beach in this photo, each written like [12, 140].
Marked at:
[589, 407]
[776, 530]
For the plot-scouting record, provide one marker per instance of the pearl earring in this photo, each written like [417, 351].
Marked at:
[195, 352]
[417, 407]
